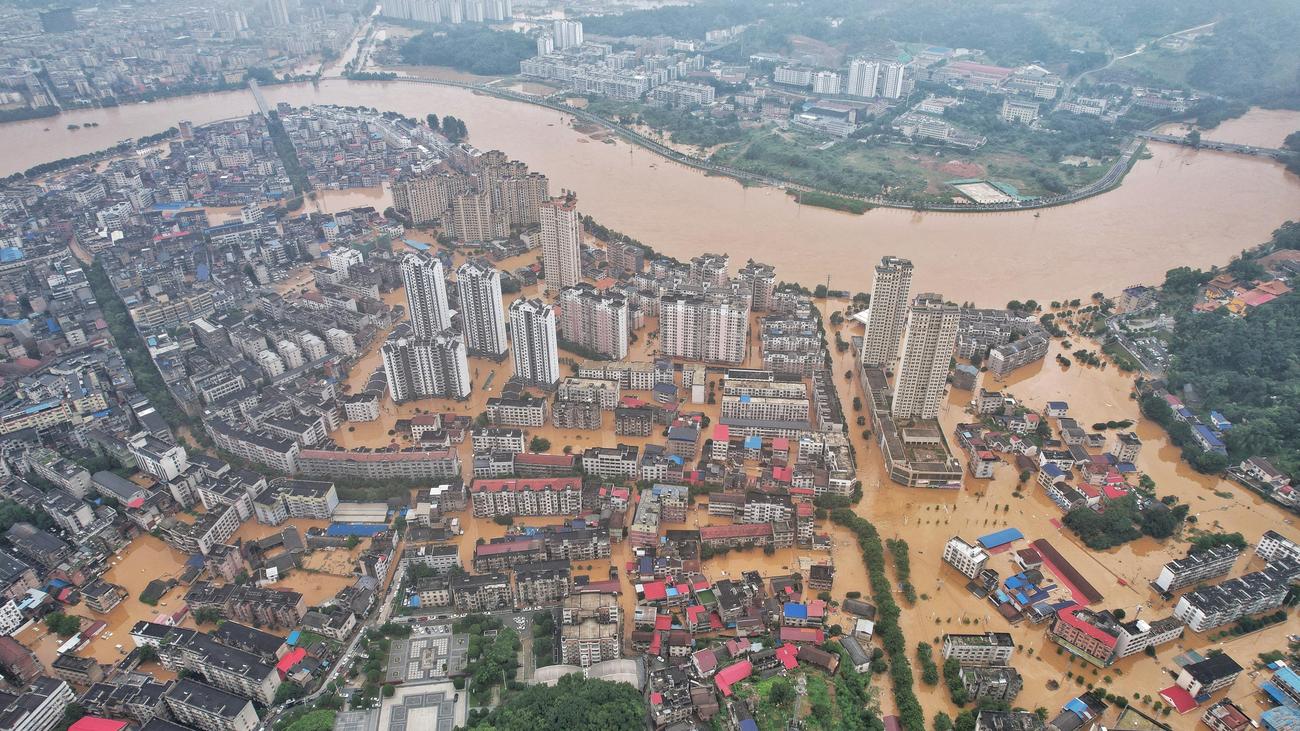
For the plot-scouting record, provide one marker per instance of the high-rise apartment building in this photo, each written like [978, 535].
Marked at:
[426, 294]
[761, 281]
[594, 320]
[864, 77]
[566, 33]
[428, 197]
[482, 316]
[888, 313]
[711, 328]
[474, 218]
[532, 333]
[425, 367]
[561, 242]
[522, 197]
[891, 79]
[927, 353]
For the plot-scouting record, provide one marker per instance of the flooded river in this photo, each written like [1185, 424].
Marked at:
[1178, 207]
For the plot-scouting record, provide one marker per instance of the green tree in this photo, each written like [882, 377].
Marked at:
[539, 444]
[575, 703]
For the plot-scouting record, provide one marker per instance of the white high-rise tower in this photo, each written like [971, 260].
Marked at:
[532, 335]
[888, 313]
[927, 354]
[426, 294]
[484, 320]
[561, 236]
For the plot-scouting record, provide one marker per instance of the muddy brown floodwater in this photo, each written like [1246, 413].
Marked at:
[928, 518]
[1178, 207]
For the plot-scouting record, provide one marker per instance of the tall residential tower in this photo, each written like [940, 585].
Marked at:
[561, 236]
[532, 335]
[484, 321]
[927, 355]
[888, 313]
[426, 294]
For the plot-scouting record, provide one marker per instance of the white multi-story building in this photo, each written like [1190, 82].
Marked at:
[561, 236]
[1273, 545]
[313, 348]
[532, 333]
[927, 352]
[270, 363]
[424, 367]
[888, 314]
[340, 341]
[1217, 605]
[594, 320]
[891, 79]
[158, 458]
[290, 353]
[566, 33]
[40, 707]
[967, 558]
[484, 319]
[864, 75]
[792, 76]
[990, 648]
[1196, 568]
[711, 328]
[426, 294]
[427, 198]
[826, 82]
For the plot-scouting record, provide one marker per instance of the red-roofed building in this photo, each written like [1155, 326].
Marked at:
[704, 662]
[1076, 630]
[1179, 698]
[788, 655]
[731, 675]
[289, 661]
[95, 723]
[801, 634]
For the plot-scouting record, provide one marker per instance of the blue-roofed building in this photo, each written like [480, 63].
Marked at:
[753, 442]
[1282, 718]
[1208, 440]
[1219, 421]
[1001, 538]
[292, 639]
[1050, 473]
[1057, 408]
[1182, 413]
[1287, 682]
[792, 610]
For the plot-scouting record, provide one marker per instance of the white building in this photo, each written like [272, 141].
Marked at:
[927, 352]
[532, 332]
[594, 320]
[826, 82]
[566, 33]
[864, 77]
[158, 458]
[891, 79]
[425, 367]
[890, 289]
[426, 294]
[479, 286]
[966, 558]
[561, 236]
[711, 328]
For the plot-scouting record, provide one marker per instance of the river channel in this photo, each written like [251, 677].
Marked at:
[1180, 206]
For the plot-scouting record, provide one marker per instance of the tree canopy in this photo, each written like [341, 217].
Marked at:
[574, 704]
[476, 49]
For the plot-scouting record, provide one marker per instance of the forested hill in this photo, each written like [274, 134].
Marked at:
[1251, 57]
[1248, 368]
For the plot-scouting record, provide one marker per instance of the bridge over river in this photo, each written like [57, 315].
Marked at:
[1215, 145]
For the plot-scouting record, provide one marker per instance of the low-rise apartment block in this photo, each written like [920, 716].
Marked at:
[990, 648]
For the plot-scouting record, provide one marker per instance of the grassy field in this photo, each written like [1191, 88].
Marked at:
[904, 171]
